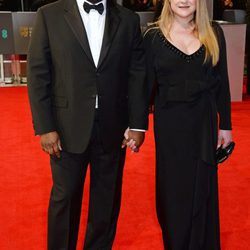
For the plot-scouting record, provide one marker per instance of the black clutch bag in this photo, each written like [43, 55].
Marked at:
[223, 153]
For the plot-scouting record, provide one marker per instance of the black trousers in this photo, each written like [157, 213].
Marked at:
[68, 174]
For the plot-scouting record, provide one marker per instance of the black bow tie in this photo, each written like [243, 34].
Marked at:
[99, 7]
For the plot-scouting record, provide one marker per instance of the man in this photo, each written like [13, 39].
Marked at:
[86, 86]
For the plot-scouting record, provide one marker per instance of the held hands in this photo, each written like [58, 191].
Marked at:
[51, 144]
[224, 137]
[133, 139]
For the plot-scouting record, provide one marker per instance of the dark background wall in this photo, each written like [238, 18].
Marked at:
[10, 5]
[28, 5]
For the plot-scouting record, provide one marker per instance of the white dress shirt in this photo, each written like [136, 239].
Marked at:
[94, 24]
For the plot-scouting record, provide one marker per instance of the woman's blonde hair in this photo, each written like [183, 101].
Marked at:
[203, 28]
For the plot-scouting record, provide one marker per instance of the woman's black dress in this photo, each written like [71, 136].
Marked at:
[189, 95]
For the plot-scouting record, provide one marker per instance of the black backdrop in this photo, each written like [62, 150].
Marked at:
[19, 5]
[10, 5]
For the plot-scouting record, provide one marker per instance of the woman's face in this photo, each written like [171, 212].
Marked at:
[183, 8]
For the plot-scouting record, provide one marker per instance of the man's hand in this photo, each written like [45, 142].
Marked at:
[133, 139]
[224, 137]
[51, 143]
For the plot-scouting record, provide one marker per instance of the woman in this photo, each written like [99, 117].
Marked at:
[186, 55]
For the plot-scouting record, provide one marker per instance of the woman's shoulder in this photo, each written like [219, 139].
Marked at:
[150, 33]
[217, 29]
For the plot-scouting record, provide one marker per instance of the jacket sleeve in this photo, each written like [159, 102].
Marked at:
[137, 92]
[223, 98]
[150, 61]
[39, 77]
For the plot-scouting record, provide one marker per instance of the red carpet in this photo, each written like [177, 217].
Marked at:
[25, 186]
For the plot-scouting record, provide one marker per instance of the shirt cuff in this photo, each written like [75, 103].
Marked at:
[139, 130]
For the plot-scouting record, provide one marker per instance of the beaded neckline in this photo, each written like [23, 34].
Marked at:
[179, 52]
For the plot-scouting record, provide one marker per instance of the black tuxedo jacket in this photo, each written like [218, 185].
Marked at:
[63, 79]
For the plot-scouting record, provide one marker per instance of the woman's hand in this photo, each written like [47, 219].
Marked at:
[224, 137]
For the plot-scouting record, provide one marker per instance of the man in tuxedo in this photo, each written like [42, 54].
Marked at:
[86, 84]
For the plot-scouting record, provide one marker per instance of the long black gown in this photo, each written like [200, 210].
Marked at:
[189, 96]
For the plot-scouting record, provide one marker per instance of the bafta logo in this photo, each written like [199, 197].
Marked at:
[25, 31]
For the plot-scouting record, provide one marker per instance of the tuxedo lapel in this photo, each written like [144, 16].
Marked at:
[74, 20]
[111, 26]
